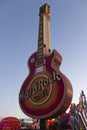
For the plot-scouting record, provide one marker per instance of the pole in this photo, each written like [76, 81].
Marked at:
[42, 124]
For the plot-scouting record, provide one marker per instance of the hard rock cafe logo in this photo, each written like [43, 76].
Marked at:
[39, 89]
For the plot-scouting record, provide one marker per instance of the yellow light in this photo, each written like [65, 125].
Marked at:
[47, 8]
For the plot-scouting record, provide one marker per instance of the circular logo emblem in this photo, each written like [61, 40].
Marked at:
[40, 89]
[42, 95]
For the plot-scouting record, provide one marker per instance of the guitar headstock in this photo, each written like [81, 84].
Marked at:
[44, 9]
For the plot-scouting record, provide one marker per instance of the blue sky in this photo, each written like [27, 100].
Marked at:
[19, 21]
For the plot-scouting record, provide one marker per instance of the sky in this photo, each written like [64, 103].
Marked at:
[19, 21]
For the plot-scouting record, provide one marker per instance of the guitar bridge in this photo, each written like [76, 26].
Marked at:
[40, 69]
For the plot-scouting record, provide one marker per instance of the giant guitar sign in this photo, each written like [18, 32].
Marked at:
[46, 92]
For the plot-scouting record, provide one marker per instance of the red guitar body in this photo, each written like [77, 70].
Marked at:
[46, 92]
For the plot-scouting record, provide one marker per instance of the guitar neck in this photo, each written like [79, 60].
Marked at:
[44, 33]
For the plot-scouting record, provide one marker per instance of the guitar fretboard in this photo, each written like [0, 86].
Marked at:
[40, 57]
[44, 34]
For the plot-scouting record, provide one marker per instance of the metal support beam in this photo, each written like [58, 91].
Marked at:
[42, 124]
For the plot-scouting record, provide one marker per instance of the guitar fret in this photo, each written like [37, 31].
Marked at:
[41, 28]
[40, 47]
[40, 51]
[40, 58]
[40, 34]
[40, 44]
[41, 61]
[40, 38]
[40, 54]
[41, 23]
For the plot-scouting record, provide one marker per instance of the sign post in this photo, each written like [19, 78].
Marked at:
[42, 124]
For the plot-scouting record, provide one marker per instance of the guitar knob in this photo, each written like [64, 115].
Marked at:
[32, 60]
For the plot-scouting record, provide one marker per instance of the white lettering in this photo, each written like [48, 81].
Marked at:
[39, 85]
